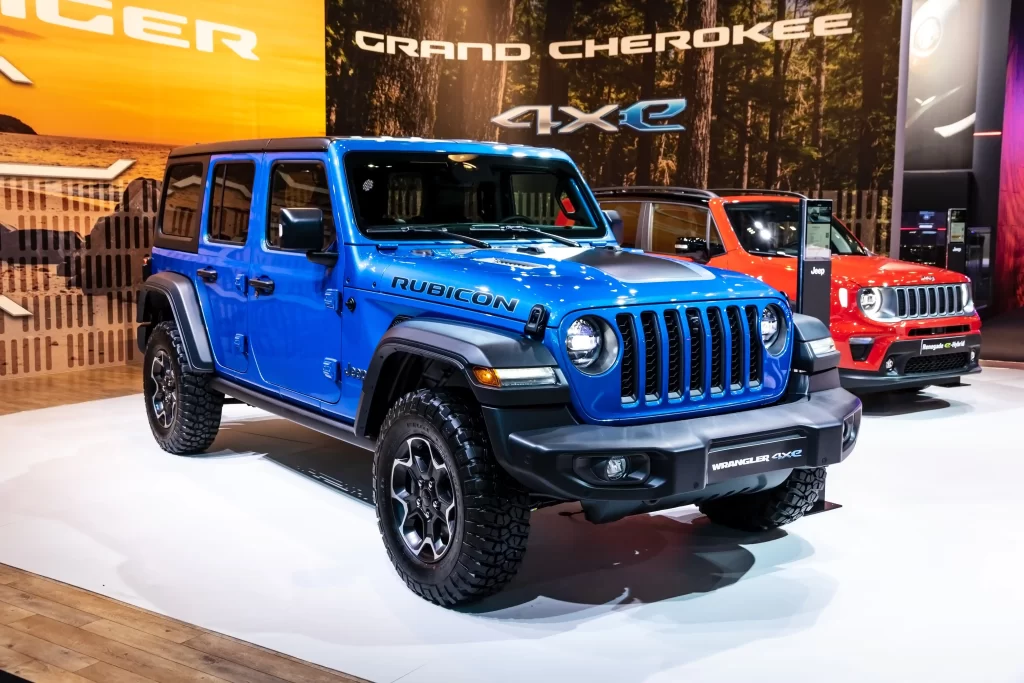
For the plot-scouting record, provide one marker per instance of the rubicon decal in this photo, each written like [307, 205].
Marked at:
[479, 297]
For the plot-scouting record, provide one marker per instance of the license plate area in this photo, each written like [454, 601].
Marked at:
[754, 457]
[932, 347]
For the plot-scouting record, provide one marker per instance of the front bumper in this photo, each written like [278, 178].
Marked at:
[909, 365]
[551, 454]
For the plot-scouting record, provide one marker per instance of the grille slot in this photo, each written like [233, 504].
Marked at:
[754, 327]
[947, 362]
[675, 354]
[717, 349]
[736, 345]
[624, 321]
[652, 355]
[932, 301]
[695, 325]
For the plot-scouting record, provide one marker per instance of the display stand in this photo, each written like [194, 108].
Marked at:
[956, 238]
[814, 277]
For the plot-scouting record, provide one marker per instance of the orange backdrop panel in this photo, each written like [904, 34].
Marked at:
[115, 87]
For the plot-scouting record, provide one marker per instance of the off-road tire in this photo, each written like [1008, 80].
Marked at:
[196, 417]
[787, 502]
[492, 511]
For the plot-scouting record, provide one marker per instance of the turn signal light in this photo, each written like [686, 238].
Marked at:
[486, 377]
[515, 377]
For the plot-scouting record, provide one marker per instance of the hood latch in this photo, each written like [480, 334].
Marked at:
[537, 322]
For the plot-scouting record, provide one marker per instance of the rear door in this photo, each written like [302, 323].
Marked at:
[224, 258]
[294, 304]
[686, 230]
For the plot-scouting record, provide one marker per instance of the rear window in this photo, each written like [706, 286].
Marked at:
[183, 198]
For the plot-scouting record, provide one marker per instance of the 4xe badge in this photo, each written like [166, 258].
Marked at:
[638, 117]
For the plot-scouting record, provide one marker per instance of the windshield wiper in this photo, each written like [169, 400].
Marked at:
[525, 228]
[430, 230]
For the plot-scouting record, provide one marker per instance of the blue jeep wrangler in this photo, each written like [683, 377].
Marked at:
[463, 309]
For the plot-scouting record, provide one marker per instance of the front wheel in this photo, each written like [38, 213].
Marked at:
[453, 522]
[787, 502]
[184, 413]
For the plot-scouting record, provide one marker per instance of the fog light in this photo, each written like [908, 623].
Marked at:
[890, 364]
[616, 467]
[849, 430]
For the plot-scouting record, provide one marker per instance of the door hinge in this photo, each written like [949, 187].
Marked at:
[332, 299]
[241, 283]
[241, 343]
[331, 369]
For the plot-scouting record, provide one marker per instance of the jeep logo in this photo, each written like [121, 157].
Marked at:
[469, 296]
[817, 271]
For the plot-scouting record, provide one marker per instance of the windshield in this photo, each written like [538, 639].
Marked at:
[769, 229]
[467, 192]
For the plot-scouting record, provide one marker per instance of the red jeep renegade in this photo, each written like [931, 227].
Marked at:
[896, 324]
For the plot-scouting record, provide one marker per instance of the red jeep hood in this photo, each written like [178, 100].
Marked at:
[880, 270]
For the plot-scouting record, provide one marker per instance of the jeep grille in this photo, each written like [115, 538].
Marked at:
[930, 301]
[692, 355]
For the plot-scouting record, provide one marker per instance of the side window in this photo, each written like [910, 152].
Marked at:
[230, 202]
[716, 248]
[182, 200]
[299, 184]
[630, 212]
[678, 228]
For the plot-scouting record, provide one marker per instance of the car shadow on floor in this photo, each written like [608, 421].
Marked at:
[908, 402]
[571, 564]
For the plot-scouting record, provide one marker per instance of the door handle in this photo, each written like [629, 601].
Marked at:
[262, 285]
[207, 274]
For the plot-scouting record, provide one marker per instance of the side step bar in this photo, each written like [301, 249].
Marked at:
[302, 416]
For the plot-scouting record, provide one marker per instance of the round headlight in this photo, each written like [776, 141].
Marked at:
[583, 342]
[870, 301]
[769, 325]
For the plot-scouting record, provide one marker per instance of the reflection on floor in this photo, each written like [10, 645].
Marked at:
[51, 631]
[914, 576]
[45, 391]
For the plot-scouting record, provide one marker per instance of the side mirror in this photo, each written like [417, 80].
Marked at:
[695, 250]
[301, 229]
[618, 227]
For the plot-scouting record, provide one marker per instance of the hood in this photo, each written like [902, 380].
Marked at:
[880, 271]
[511, 281]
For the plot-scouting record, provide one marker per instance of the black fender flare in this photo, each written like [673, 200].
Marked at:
[180, 294]
[464, 346]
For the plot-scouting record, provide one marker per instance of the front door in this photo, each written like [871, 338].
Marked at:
[224, 258]
[294, 304]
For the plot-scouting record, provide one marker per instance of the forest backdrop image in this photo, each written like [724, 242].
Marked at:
[814, 114]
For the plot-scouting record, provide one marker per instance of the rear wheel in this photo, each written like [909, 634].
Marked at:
[184, 413]
[787, 502]
[453, 522]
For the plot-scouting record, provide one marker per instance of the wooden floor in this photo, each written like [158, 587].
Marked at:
[46, 391]
[50, 631]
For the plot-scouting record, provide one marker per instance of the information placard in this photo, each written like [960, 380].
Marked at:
[814, 283]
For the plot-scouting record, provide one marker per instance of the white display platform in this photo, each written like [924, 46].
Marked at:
[916, 578]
